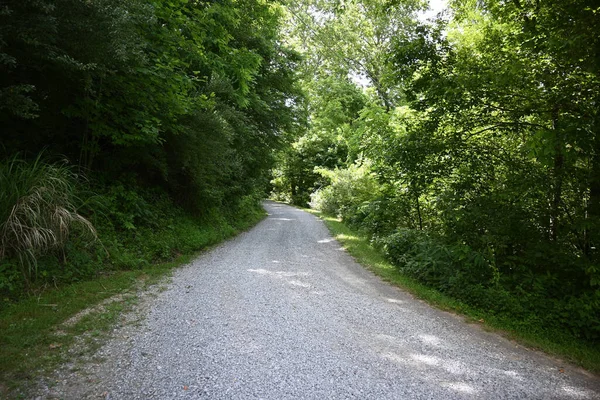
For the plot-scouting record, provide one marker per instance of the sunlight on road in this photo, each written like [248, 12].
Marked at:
[329, 240]
[395, 301]
[460, 387]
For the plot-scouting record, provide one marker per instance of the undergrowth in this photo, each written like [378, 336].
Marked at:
[526, 328]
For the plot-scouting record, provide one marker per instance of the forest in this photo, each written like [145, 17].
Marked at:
[133, 130]
[466, 145]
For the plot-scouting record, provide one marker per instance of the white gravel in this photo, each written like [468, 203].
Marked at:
[283, 312]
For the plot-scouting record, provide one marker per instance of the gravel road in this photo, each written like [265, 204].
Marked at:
[283, 312]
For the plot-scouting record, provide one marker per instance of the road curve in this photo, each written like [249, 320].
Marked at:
[283, 312]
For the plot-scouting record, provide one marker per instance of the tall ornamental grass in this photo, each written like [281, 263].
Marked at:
[37, 210]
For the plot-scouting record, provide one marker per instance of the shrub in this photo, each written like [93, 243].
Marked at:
[350, 188]
[454, 269]
[472, 277]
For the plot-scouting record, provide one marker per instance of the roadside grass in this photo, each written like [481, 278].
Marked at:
[34, 334]
[555, 343]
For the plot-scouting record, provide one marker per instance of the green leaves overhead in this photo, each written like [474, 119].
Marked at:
[482, 128]
[354, 37]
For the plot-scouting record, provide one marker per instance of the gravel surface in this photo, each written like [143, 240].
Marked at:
[283, 312]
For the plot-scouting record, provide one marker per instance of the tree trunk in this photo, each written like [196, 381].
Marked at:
[557, 174]
[418, 203]
[593, 204]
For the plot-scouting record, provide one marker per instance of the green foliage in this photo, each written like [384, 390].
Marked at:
[327, 141]
[472, 277]
[296, 178]
[172, 110]
[348, 190]
[170, 92]
[137, 228]
[481, 132]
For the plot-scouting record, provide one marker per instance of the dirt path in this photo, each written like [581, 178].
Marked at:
[282, 312]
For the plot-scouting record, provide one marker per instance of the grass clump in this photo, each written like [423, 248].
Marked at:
[37, 211]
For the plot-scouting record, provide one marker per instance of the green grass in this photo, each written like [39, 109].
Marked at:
[556, 343]
[34, 338]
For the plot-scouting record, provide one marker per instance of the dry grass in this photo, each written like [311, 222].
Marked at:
[37, 210]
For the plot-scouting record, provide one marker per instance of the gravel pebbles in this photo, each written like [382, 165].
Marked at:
[283, 312]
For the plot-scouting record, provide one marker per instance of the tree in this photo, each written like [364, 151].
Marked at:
[482, 132]
[356, 37]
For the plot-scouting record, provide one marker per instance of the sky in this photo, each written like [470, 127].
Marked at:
[435, 6]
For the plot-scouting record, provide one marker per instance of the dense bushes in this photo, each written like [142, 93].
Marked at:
[538, 300]
[347, 190]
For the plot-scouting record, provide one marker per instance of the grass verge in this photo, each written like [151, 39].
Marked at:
[34, 336]
[555, 343]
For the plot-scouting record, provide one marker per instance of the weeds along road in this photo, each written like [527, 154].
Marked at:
[282, 312]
